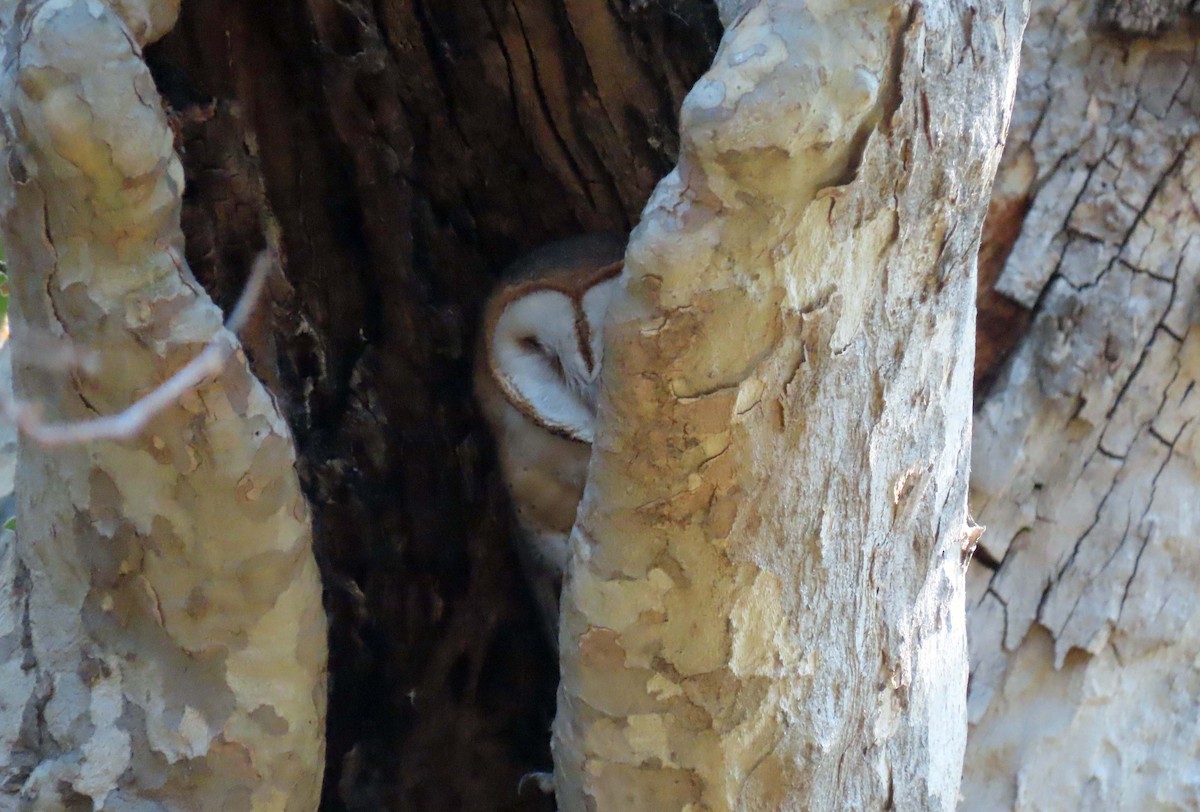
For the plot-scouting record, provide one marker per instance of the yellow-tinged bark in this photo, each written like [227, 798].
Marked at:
[174, 643]
[765, 607]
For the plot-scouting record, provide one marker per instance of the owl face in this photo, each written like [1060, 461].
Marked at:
[536, 379]
[544, 343]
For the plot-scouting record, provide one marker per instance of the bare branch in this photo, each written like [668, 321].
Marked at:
[127, 423]
[44, 350]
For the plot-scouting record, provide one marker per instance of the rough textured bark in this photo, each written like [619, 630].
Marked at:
[1084, 630]
[1144, 17]
[407, 152]
[160, 619]
[765, 609]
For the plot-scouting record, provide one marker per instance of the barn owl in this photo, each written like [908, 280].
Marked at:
[536, 379]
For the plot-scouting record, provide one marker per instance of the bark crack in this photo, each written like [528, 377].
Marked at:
[439, 52]
[508, 62]
[547, 113]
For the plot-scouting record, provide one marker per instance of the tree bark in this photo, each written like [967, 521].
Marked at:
[765, 607]
[407, 152]
[161, 628]
[1084, 629]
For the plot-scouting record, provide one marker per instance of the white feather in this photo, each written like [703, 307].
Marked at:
[535, 349]
[595, 305]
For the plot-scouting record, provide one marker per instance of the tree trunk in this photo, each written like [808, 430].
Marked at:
[161, 627]
[765, 609]
[407, 152]
[397, 154]
[1084, 629]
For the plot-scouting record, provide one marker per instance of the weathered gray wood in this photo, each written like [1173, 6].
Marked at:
[1084, 632]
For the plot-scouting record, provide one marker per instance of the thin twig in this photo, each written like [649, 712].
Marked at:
[43, 350]
[129, 422]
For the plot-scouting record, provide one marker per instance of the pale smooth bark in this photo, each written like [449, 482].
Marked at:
[765, 604]
[1084, 630]
[162, 643]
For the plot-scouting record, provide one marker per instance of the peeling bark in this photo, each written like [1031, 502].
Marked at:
[1144, 17]
[1084, 629]
[409, 151]
[765, 603]
[162, 639]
